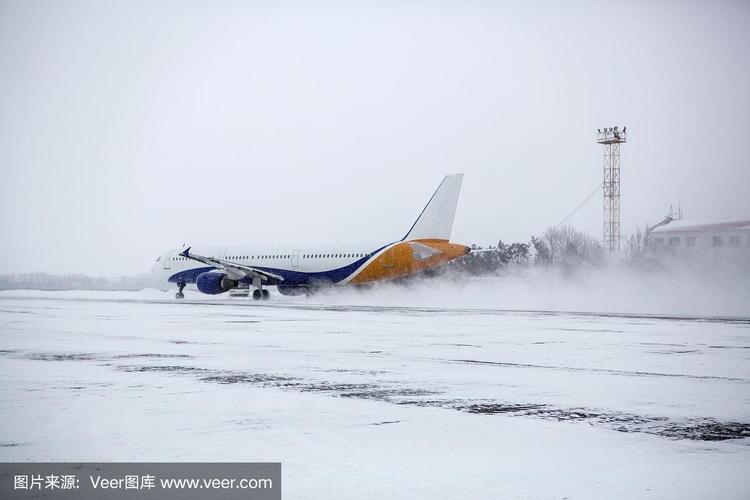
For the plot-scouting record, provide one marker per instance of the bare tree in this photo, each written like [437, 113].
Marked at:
[570, 248]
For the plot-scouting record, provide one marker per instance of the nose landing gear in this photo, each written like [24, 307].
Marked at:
[179, 294]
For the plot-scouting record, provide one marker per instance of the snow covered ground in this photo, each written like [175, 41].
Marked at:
[382, 401]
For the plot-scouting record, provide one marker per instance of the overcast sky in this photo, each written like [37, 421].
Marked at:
[128, 128]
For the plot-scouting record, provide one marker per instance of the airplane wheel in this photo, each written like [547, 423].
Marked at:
[266, 294]
[257, 295]
[179, 295]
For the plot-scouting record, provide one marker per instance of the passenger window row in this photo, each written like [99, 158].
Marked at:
[333, 255]
[306, 256]
[252, 257]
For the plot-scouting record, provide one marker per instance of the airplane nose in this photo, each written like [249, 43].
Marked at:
[153, 273]
[157, 267]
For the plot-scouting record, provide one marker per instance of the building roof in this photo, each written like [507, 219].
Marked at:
[687, 226]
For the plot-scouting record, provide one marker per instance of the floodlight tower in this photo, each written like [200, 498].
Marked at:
[611, 138]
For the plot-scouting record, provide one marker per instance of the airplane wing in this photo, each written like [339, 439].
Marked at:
[232, 269]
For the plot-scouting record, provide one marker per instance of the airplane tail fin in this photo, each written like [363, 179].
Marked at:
[436, 220]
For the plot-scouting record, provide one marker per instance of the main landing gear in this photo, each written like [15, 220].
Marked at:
[261, 294]
[179, 294]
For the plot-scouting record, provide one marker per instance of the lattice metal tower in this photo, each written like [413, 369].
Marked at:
[611, 138]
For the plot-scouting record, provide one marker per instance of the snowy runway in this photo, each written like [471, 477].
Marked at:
[374, 401]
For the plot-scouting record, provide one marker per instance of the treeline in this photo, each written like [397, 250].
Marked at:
[44, 281]
[562, 247]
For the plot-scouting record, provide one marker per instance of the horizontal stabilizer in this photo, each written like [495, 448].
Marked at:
[436, 220]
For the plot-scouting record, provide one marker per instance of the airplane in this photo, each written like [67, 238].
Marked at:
[302, 268]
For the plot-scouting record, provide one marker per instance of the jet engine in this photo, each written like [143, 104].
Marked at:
[213, 283]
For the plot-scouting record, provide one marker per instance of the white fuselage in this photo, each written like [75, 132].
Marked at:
[309, 258]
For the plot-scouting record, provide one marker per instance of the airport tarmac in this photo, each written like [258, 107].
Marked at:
[373, 401]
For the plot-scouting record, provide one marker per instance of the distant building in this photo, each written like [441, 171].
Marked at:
[716, 240]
